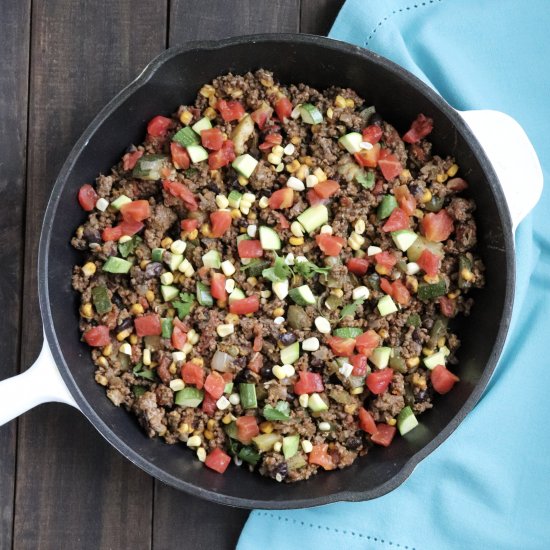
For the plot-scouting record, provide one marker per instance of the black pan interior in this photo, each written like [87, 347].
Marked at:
[174, 79]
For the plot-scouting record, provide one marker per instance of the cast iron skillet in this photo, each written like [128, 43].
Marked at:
[174, 78]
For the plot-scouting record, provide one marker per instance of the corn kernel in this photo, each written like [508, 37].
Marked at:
[221, 201]
[350, 409]
[357, 391]
[208, 434]
[413, 362]
[236, 214]
[453, 295]
[80, 232]
[296, 229]
[295, 140]
[293, 166]
[302, 173]
[143, 264]
[278, 312]
[338, 292]
[427, 351]
[467, 275]
[225, 330]
[252, 281]
[102, 362]
[125, 348]
[242, 180]
[146, 358]
[133, 339]
[392, 422]
[383, 333]
[89, 269]
[426, 197]
[186, 117]
[412, 283]
[170, 312]
[232, 318]
[183, 428]
[441, 342]
[166, 242]
[210, 113]
[227, 419]
[451, 172]
[107, 350]
[296, 241]
[101, 379]
[340, 102]
[431, 279]
[441, 178]
[205, 230]
[86, 311]
[136, 309]
[308, 161]
[350, 103]
[320, 174]
[405, 176]
[330, 112]
[418, 213]
[199, 361]
[172, 369]
[211, 424]
[167, 278]
[359, 226]
[263, 202]
[266, 427]
[419, 380]
[207, 90]
[355, 241]
[194, 441]
[150, 296]
[123, 334]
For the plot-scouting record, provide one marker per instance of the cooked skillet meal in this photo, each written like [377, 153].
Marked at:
[269, 276]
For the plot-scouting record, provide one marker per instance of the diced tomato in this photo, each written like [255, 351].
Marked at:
[443, 379]
[283, 198]
[258, 343]
[457, 184]
[359, 364]
[247, 428]
[372, 133]
[378, 381]
[420, 128]
[180, 157]
[212, 139]
[366, 421]
[260, 115]
[111, 233]
[378, 188]
[385, 286]
[448, 306]
[341, 347]
[319, 455]
[330, 245]
[123, 228]
[326, 188]
[180, 324]
[230, 110]
[386, 260]
[208, 405]
[158, 126]
[189, 224]
[384, 434]
[227, 376]
[97, 336]
[217, 460]
[129, 160]
[250, 248]
[87, 197]
[283, 108]
[245, 306]
[221, 158]
[135, 211]
[366, 342]
[437, 227]
[220, 220]
[398, 220]
[179, 338]
[389, 165]
[404, 198]
[217, 286]
[309, 382]
[270, 141]
[192, 373]
[148, 325]
[313, 198]
[214, 384]
[178, 189]
[283, 222]
[368, 157]
[400, 293]
[256, 362]
[429, 262]
[358, 266]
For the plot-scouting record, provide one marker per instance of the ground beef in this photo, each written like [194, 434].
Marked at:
[143, 364]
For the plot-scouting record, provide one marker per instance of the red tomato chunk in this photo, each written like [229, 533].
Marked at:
[247, 428]
[148, 325]
[384, 435]
[420, 128]
[245, 306]
[97, 336]
[366, 421]
[158, 126]
[87, 197]
[442, 379]
[192, 373]
[250, 248]
[214, 384]
[309, 382]
[378, 381]
[217, 460]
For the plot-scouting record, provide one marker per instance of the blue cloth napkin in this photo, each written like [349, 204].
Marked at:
[488, 485]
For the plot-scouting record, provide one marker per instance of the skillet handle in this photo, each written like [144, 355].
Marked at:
[513, 158]
[41, 383]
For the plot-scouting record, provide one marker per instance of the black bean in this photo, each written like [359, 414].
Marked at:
[213, 187]
[152, 270]
[117, 300]
[92, 235]
[417, 336]
[353, 443]
[376, 119]
[127, 323]
[281, 469]
[287, 338]
[266, 372]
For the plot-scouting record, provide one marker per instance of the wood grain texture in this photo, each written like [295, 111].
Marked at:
[15, 35]
[73, 490]
[317, 16]
[215, 19]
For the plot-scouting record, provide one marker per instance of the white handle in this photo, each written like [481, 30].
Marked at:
[39, 384]
[513, 157]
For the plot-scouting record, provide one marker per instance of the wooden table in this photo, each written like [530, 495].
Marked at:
[61, 485]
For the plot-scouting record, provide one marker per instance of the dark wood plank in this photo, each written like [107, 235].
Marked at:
[217, 527]
[214, 19]
[317, 16]
[14, 42]
[73, 490]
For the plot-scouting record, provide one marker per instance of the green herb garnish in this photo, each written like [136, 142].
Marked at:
[190, 172]
[250, 455]
[128, 247]
[366, 179]
[145, 373]
[308, 269]
[279, 272]
[350, 308]
[281, 411]
[184, 306]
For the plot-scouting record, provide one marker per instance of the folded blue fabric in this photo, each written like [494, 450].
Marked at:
[488, 485]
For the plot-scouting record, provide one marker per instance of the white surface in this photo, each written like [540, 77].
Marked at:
[513, 158]
[39, 384]
[505, 143]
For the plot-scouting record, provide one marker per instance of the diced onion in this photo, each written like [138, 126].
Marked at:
[221, 361]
